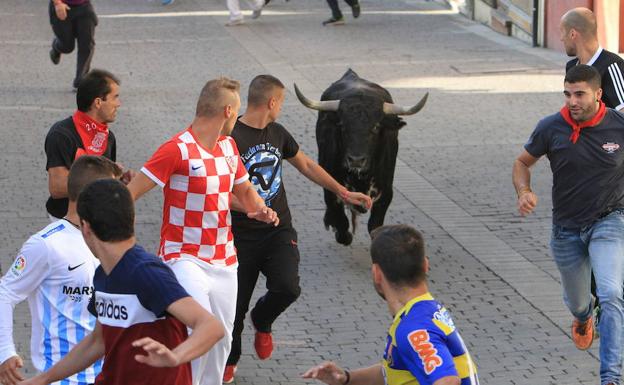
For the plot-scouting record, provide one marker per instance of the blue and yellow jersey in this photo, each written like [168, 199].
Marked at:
[424, 346]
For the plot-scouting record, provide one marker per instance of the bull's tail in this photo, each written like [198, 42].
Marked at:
[354, 215]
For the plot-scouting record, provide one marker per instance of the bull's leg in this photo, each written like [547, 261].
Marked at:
[336, 218]
[379, 209]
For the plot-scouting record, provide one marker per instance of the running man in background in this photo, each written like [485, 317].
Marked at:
[337, 18]
[73, 21]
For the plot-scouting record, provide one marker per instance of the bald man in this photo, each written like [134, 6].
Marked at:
[578, 30]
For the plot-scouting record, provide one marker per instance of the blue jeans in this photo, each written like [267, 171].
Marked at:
[598, 247]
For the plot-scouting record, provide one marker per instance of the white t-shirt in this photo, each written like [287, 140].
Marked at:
[54, 271]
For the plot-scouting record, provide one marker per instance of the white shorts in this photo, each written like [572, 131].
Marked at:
[215, 288]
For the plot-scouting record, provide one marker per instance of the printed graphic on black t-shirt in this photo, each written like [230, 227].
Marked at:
[264, 165]
[262, 152]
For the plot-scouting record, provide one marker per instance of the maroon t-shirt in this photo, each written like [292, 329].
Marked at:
[131, 303]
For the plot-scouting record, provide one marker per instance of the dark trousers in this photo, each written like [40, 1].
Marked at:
[276, 256]
[79, 26]
[333, 4]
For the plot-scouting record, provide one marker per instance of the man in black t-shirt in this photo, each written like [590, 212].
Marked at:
[579, 35]
[585, 145]
[84, 133]
[263, 144]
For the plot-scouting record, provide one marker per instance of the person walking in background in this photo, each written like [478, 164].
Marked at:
[337, 18]
[423, 344]
[584, 143]
[236, 16]
[73, 22]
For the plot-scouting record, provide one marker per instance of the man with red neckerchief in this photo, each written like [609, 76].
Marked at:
[84, 133]
[584, 145]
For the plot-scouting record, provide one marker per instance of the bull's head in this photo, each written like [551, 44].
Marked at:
[360, 120]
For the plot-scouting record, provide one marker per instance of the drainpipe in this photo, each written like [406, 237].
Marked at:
[535, 21]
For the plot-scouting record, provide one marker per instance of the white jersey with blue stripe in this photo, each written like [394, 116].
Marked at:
[54, 272]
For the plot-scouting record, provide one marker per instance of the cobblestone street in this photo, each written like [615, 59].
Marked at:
[490, 267]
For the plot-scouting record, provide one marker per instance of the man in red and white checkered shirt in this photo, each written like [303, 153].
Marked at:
[198, 169]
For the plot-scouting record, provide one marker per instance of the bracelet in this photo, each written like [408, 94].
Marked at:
[348, 375]
[525, 189]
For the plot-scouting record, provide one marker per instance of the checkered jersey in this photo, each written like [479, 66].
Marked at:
[197, 184]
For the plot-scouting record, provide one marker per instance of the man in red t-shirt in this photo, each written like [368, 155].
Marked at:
[198, 169]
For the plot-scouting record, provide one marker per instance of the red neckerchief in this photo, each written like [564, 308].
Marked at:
[94, 135]
[576, 128]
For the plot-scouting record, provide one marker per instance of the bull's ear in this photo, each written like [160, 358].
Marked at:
[394, 122]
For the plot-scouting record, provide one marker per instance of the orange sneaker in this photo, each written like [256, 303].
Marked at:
[228, 375]
[264, 345]
[583, 333]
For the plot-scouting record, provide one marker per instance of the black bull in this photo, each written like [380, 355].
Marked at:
[357, 136]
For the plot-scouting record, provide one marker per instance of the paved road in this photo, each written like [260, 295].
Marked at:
[490, 267]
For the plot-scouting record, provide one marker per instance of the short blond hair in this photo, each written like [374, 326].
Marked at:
[215, 95]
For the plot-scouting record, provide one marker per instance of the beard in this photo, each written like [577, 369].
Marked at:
[584, 114]
[570, 51]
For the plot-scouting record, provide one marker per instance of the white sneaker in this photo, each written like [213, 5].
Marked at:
[234, 22]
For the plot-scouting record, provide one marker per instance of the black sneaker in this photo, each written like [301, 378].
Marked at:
[55, 56]
[356, 10]
[334, 21]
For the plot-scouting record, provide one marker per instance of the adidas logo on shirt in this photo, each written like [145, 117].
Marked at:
[111, 310]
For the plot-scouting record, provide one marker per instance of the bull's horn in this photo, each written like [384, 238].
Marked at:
[393, 109]
[319, 105]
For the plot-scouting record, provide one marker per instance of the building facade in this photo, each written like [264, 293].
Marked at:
[537, 21]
